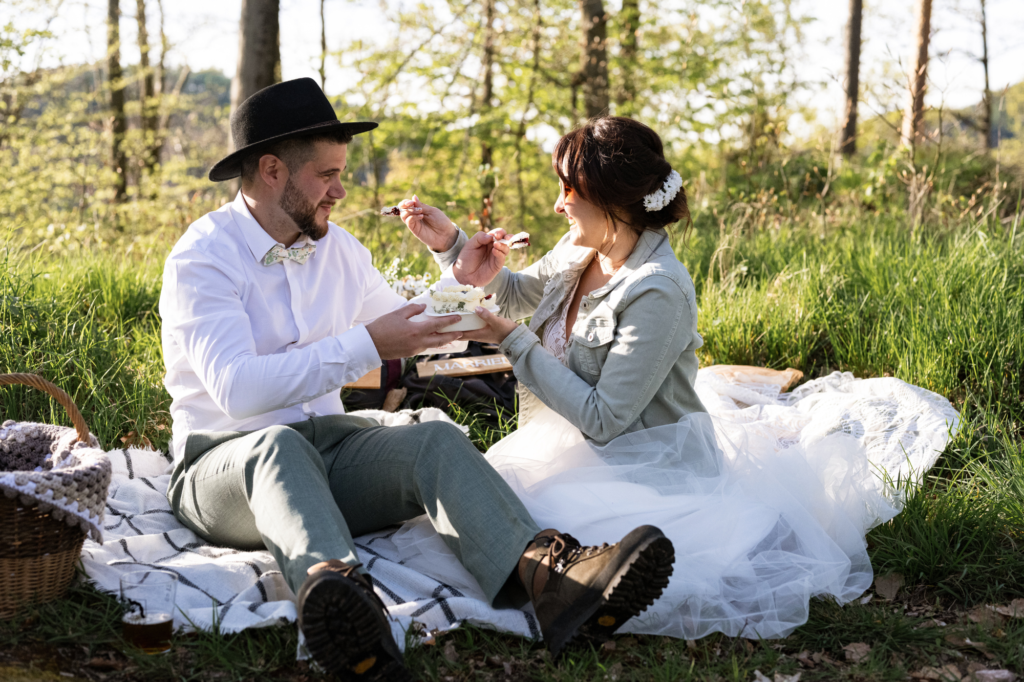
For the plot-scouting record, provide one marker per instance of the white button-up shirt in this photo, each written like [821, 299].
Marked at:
[249, 346]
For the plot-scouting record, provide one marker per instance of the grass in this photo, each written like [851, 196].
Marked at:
[942, 309]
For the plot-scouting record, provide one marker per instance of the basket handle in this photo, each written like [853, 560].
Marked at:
[36, 381]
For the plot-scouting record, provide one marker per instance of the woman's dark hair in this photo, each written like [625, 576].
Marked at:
[614, 162]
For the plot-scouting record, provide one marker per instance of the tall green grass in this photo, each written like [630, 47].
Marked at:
[943, 311]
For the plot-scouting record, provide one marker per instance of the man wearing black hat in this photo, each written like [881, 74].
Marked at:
[268, 310]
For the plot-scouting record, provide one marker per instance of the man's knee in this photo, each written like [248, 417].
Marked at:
[279, 447]
[444, 442]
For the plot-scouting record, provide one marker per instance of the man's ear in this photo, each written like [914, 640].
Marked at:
[273, 171]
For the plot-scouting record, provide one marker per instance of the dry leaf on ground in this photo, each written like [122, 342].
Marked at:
[1015, 609]
[985, 616]
[888, 586]
[947, 673]
[804, 657]
[993, 676]
[779, 677]
[857, 652]
[449, 652]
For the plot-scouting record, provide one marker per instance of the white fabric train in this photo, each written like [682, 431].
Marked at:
[767, 498]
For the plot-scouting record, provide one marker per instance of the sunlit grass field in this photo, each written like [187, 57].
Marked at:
[941, 310]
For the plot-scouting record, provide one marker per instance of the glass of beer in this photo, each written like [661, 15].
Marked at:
[148, 599]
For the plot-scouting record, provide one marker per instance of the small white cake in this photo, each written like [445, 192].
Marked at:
[461, 298]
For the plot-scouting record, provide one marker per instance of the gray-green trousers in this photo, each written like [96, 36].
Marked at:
[303, 490]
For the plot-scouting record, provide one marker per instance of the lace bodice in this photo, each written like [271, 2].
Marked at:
[554, 337]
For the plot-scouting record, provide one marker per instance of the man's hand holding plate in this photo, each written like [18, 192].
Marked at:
[397, 336]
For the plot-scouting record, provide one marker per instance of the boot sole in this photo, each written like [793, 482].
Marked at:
[631, 586]
[347, 633]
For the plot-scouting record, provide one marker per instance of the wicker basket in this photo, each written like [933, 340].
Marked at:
[37, 552]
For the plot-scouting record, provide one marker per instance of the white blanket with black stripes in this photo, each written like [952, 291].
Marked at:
[229, 590]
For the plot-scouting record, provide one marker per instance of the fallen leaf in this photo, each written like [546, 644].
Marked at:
[804, 657]
[609, 645]
[866, 599]
[857, 652]
[994, 676]
[759, 677]
[449, 652]
[614, 672]
[779, 677]
[508, 668]
[985, 616]
[888, 586]
[105, 664]
[1015, 609]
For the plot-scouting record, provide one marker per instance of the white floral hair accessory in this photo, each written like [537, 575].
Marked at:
[655, 201]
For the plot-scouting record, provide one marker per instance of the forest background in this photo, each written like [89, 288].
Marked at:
[885, 243]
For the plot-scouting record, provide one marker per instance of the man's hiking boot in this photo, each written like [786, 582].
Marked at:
[346, 629]
[592, 591]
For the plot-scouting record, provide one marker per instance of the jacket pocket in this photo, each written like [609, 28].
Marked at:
[592, 343]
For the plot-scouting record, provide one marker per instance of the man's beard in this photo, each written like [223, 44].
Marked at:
[295, 204]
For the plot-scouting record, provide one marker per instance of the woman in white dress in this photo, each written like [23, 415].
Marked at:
[767, 498]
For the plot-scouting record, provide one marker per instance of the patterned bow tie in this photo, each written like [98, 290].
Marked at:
[278, 253]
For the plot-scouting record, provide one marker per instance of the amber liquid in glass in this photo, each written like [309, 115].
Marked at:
[150, 633]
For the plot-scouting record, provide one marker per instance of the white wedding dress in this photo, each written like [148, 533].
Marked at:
[767, 498]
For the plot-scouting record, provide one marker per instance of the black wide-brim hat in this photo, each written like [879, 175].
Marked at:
[293, 108]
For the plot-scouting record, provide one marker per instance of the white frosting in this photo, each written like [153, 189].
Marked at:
[456, 299]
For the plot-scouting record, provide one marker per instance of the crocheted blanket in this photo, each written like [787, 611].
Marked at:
[42, 463]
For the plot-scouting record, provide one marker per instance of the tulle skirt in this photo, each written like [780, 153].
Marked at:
[767, 498]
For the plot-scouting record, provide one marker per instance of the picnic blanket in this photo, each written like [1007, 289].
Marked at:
[902, 430]
[229, 590]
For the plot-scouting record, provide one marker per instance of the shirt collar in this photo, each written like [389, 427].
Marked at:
[256, 238]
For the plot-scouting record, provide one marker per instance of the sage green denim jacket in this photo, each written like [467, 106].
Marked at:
[631, 362]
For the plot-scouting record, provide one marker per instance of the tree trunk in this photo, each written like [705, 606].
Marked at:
[538, 25]
[849, 143]
[629, 24]
[147, 93]
[486, 150]
[116, 82]
[323, 47]
[594, 57]
[986, 99]
[161, 66]
[259, 50]
[914, 113]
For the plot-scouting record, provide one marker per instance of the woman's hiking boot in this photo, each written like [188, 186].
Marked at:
[346, 627]
[592, 591]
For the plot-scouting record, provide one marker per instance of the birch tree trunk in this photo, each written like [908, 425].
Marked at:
[323, 46]
[914, 112]
[147, 93]
[986, 99]
[629, 21]
[594, 57]
[116, 81]
[849, 143]
[486, 150]
[259, 50]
